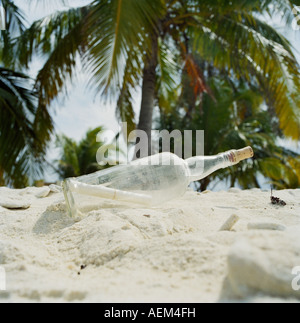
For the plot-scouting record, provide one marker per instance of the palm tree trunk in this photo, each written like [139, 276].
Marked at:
[204, 184]
[148, 95]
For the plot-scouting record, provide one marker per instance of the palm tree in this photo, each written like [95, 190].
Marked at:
[126, 44]
[25, 128]
[234, 118]
[19, 140]
[80, 158]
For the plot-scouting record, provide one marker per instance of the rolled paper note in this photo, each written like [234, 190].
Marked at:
[109, 193]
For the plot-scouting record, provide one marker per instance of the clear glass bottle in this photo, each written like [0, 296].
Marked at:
[148, 181]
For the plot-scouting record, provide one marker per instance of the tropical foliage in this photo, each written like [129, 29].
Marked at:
[25, 127]
[125, 44]
[160, 46]
[21, 147]
[78, 159]
[235, 117]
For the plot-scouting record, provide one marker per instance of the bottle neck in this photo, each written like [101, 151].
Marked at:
[202, 166]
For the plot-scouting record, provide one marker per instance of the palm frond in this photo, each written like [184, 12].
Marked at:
[45, 34]
[250, 54]
[15, 26]
[168, 75]
[80, 158]
[125, 110]
[113, 35]
[68, 165]
[125, 104]
[270, 7]
[60, 37]
[22, 149]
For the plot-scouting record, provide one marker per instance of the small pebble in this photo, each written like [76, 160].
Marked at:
[234, 190]
[266, 226]
[55, 188]
[14, 202]
[228, 225]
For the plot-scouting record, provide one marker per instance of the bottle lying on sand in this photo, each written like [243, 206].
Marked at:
[148, 181]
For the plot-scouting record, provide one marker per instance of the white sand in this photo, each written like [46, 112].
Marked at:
[175, 253]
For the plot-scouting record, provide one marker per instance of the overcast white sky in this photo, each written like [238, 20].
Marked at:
[82, 110]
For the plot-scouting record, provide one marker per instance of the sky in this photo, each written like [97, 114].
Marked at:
[83, 109]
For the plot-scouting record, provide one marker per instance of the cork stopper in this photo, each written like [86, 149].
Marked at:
[244, 153]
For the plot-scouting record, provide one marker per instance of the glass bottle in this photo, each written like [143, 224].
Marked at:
[148, 181]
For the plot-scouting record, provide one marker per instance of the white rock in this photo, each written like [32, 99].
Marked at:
[228, 225]
[262, 263]
[255, 190]
[265, 226]
[39, 192]
[15, 202]
[55, 188]
[42, 192]
[234, 190]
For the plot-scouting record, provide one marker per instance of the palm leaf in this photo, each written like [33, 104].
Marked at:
[125, 109]
[45, 34]
[168, 74]
[125, 104]
[80, 158]
[60, 64]
[15, 26]
[22, 149]
[113, 35]
[68, 165]
[250, 54]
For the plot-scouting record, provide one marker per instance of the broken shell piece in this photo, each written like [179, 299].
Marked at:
[55, 188]
[265, 226]
[42, 192]
[228, 225]
[38, 192]
[14, 203]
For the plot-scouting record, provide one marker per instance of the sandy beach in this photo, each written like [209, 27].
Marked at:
[231, 246]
